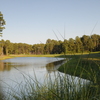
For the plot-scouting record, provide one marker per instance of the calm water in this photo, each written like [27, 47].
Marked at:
[16, 72]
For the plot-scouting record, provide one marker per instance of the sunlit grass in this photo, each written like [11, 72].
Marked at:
[85, 66]
[5, 57]
[21, 55]
[43, 55]
[58, 89]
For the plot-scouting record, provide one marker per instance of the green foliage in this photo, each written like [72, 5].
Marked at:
[79, 45]
[2, 23]
[84, 66]
[61, 88]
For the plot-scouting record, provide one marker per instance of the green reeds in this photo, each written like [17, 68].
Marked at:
[63, 86]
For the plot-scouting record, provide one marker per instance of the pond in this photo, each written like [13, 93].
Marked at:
[16, 71]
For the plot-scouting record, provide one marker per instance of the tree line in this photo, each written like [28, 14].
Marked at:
[79, 44]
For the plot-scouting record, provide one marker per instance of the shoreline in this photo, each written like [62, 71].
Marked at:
[13, 56]
[82, 66]
[44, 55]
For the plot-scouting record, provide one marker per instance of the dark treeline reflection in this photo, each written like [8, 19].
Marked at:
[14, 72]
[53, 66]
[6, 66]
[79, 44]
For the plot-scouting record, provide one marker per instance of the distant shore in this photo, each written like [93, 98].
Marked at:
[13, 56]
[69, 55]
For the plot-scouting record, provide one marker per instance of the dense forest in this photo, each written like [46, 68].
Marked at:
[79, 44]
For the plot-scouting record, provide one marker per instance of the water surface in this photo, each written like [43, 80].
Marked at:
[16, 71]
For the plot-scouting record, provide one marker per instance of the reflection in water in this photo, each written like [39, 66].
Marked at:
[50, 67]
[5, 66]
[13, 70]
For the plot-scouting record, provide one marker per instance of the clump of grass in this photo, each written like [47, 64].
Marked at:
[87, 67]
[61, 87]
[84, 66]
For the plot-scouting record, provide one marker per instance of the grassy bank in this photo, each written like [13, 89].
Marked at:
[5, 57]
[82, 65]
[85, 66]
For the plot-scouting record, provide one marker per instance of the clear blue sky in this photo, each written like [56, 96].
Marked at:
[32, 21]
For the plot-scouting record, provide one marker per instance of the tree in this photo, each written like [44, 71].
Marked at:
[71, 44]
[56, 47]
[48, 41]
[78, 44]
[95, 39]
[85, 39]
[2, 23]
[64, 46]
[90, 44]
[7, 47]
[15, 48]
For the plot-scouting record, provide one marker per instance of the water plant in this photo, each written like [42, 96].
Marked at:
[63, 86]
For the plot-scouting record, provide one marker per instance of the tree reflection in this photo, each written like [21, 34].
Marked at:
[5, 66]
[51, 67]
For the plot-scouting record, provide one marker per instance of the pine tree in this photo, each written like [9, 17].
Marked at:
[2, 23]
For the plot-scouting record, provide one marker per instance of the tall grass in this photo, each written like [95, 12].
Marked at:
[61, 87]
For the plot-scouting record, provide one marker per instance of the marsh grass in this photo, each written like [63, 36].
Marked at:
[84, 66]
[61, 87]
[88, 67]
